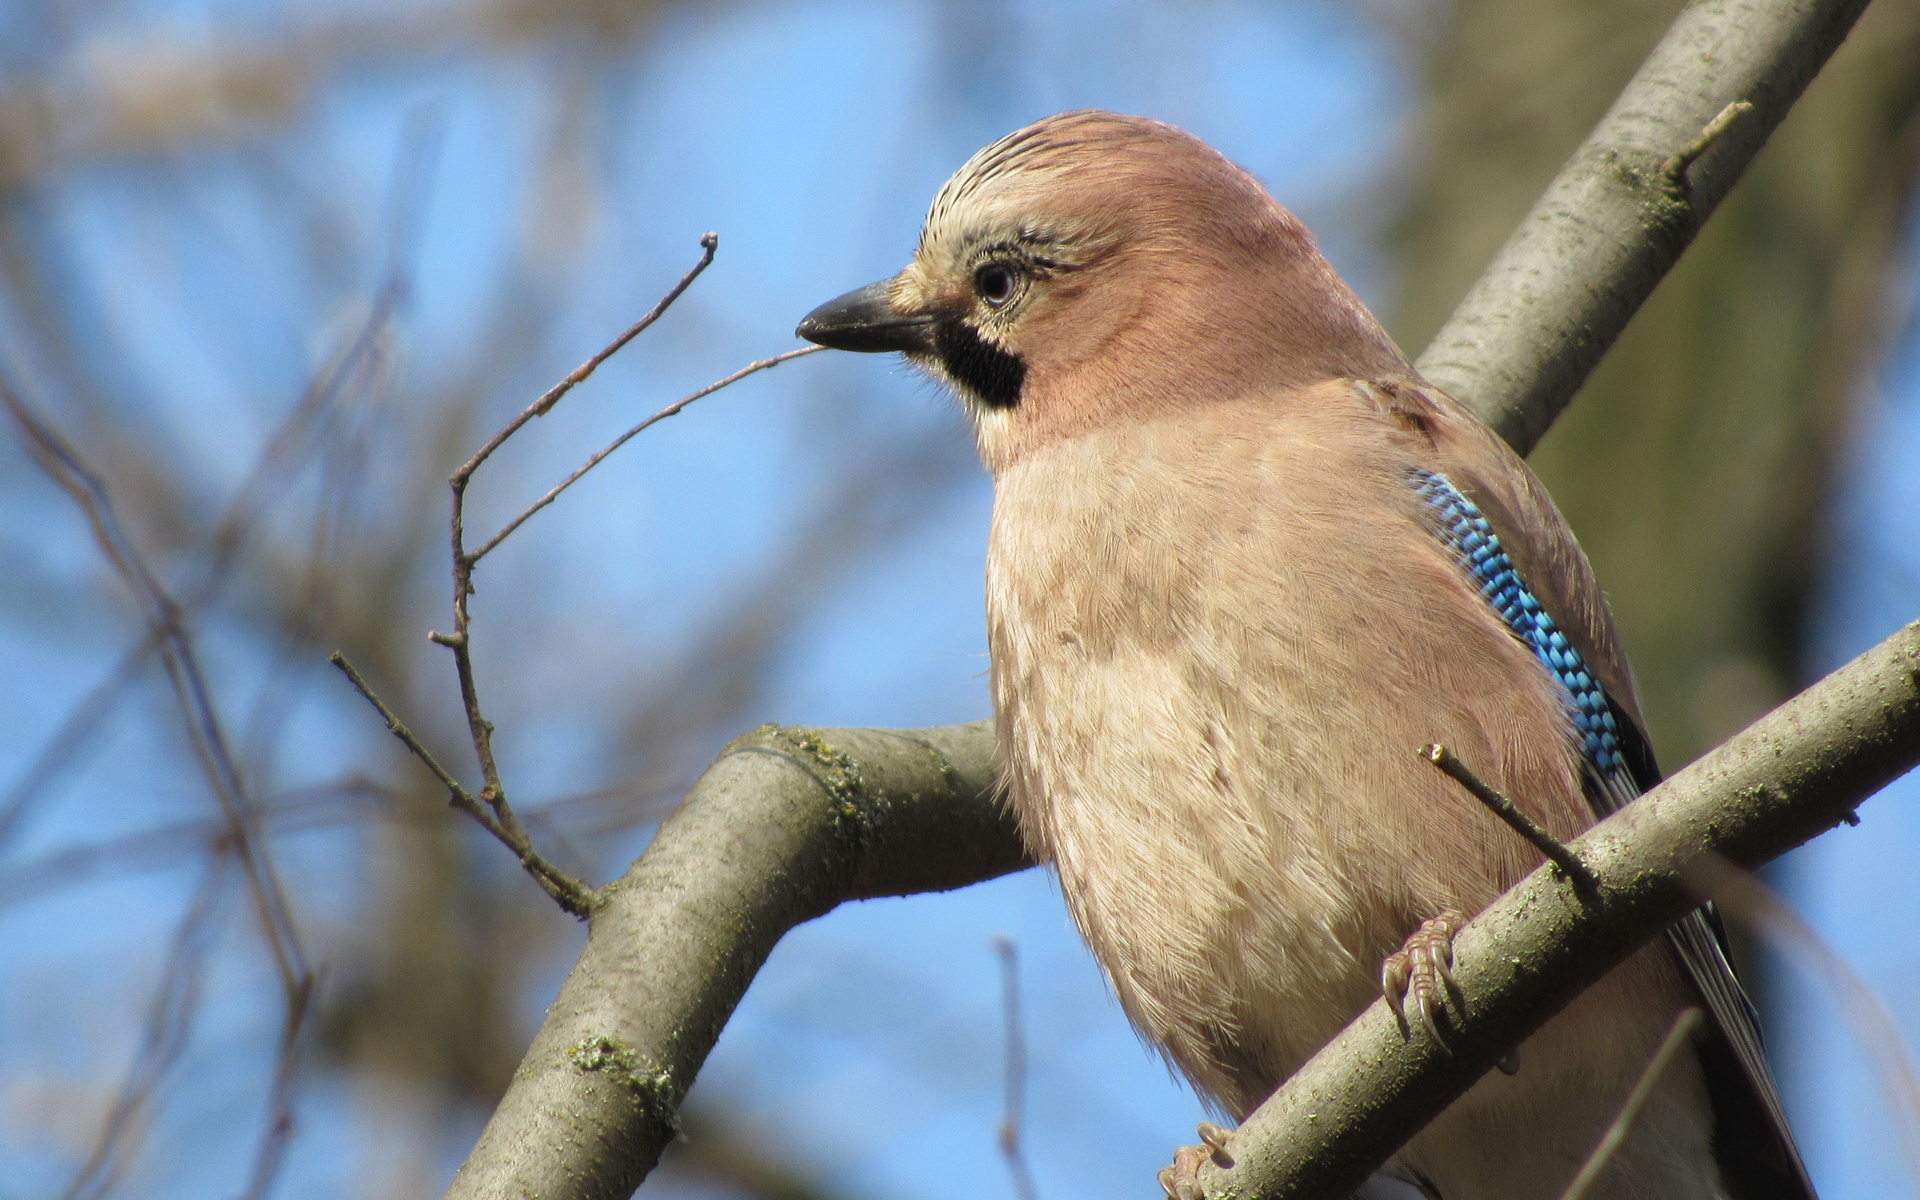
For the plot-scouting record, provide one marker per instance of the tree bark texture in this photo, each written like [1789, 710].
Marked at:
[785, 825]
[790, 822]
[1615, 220]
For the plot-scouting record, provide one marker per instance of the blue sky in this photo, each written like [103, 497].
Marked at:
[809, 135]
[1851, 881]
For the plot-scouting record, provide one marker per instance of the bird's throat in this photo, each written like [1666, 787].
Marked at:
[994, 376]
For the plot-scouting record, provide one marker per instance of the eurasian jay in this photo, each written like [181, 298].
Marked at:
[1244, 564]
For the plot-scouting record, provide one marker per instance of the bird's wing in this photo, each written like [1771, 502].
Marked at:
[1477, 476]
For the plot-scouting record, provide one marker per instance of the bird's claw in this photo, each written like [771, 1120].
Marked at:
[1181, 1181]
[1420, 974]
[1215, 1140]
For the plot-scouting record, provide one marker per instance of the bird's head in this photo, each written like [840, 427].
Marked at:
[1093, 268]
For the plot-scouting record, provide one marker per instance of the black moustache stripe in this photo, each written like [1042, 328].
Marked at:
[990, 373]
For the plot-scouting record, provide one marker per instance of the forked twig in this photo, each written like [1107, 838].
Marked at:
[1683, 1028]
[489, 806]
[300, 437]
[673, 409]
[63, 465]
[709, 245]
[1503, 807]
[497, 819]
[169, 631]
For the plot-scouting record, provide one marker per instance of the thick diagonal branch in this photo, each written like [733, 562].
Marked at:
[1627, 205]
[1795, 773]
[784, 826]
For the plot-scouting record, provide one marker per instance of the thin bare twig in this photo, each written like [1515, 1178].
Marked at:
[304, 810]
[490, 805]
[1014, 1116]
[64, 466]
[462, 798]
[569, 893]
[1503, 807]
[296, 441]
[62, 750]
[670, 410]
[709, 244]
[157, 847]
[1683, 1027]
[305, 431]
[590, 813]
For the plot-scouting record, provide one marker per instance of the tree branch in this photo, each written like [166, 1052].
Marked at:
[671, 410]
[790, 822]
[1796, 772]
[1629, 202]
[490, 807]
[569, 893]
[784, 826]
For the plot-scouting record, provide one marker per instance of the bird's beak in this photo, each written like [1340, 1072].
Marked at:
[865, 320]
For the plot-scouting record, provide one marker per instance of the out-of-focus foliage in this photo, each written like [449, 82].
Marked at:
[1696, 464]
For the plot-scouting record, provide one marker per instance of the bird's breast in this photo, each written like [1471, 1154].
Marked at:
[1216, 651]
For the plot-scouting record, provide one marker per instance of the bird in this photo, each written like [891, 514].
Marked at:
[1243, 563]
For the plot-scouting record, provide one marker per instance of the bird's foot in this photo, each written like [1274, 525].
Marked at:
[1420, 974]
[1182, 1180]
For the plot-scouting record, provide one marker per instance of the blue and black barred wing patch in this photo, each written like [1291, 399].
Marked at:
[1464, 530]
[1753, 1143]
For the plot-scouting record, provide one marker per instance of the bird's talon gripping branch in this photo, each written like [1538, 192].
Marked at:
[1215, 1139]
[1181, 1181]
[1420, 974]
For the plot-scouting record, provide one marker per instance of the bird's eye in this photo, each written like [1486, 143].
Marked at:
[995, 283]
